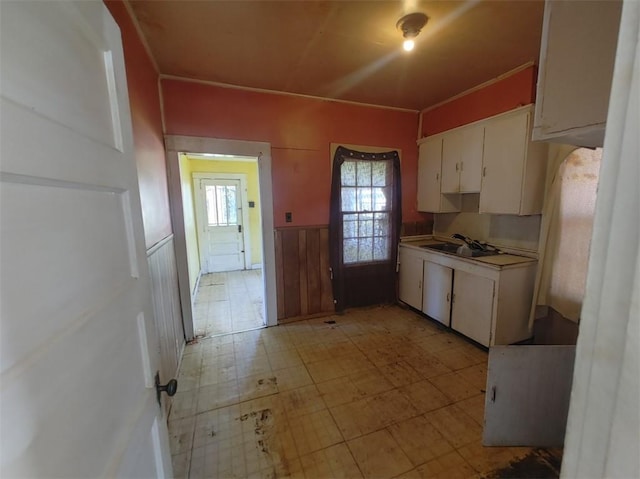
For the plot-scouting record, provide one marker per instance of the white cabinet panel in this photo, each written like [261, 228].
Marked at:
[451, 159]
[527, 400]
[472, 308]
[503, 165]
[429, 168]
[576, 67]
[471, 159]
[436, 297]
[513, 167]
[462, 159]
[410, 277]
[430, 153]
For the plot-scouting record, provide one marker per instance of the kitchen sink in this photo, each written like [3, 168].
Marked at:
[452, 248]
[446, 247]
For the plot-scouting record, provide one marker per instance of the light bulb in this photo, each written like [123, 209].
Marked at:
[408, 45]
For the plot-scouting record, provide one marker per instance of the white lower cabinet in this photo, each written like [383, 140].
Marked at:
[410, 277]
[488, 300]
[436, 292]
[472, 307]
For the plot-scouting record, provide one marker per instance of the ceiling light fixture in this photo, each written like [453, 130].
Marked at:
[411, 25]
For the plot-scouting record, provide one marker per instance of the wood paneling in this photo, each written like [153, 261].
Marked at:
[166, 307]
[417, 227]
[302, 272]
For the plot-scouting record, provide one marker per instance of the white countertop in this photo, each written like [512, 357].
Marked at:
[496, 261]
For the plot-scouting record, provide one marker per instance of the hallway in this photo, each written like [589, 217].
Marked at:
[228, 303]
[376, 392]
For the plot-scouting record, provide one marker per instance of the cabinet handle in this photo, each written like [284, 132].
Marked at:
[456, 166]
[484, 171]
[437, 176]
[420, 284]
[447, 297]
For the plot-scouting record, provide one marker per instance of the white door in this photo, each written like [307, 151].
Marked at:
[436, 299]
[78, 347]
[221, 233]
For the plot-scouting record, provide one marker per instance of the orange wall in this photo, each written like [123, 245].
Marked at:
[144, 98]
[300, 131]
[503, 95]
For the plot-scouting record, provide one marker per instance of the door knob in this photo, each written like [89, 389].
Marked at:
[170, 388]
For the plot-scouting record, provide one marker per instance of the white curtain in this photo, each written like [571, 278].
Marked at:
[566, 232]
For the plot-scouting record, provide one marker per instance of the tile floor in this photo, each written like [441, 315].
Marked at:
[380, 393]
[228, 303]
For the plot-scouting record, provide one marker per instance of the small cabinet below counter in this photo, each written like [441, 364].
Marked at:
[472, 307]
[487, 299]
[436, 293]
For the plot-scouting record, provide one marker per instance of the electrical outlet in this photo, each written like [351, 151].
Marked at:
[287, 217]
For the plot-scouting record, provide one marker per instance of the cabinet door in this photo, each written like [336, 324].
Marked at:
[471, 159]
[573, 87]
[410, 278]
[472, 306]
[505, 145]
[430, 154]
[436, 292]
[451, 160]
[528, 393]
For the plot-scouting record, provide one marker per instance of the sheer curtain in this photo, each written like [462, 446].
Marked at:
[364, 227]
[566, 233]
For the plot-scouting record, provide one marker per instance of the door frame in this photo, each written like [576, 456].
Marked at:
[176, 144]
[246, 228]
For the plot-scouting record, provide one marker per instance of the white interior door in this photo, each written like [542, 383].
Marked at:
[221, 226]
[78, 347]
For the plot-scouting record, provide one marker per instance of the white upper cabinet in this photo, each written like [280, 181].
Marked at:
[513, 167]
[430, 198]
[471, 161]
[462, 159]
[451, 158]
[494, 157]
[576, 66]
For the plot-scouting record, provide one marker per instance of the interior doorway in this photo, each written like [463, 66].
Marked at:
[207, 294]
[226, 267]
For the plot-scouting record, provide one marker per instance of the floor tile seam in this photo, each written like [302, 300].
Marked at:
[394, 439]
[479, 471]
[447, 395]
[237, 403]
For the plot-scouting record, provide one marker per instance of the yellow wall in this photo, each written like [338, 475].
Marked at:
[191, 235]
[253, 194]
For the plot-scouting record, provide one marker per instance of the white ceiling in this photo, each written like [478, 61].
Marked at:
[349, 50]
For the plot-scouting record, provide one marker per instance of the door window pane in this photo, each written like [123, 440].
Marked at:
[222, 208]
[366, 194]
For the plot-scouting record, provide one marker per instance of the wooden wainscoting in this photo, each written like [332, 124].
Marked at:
[302, 272]
[166, 306]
